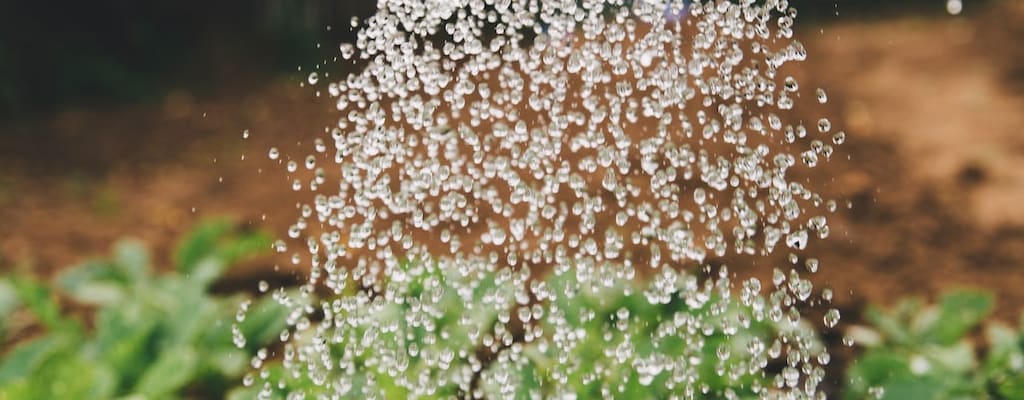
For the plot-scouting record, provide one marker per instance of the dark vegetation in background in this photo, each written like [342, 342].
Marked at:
[56, 54]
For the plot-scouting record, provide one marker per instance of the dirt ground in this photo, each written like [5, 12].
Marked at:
[933, 167]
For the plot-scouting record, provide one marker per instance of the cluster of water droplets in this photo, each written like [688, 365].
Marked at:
[524, 198]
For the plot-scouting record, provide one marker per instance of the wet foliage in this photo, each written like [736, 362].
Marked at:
[152, 334]
[937, 351]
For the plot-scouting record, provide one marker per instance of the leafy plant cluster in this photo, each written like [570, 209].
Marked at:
[164, 335]
[494, 366]
[443, 288]
[939, 351]
[629, 341]
[154, 335]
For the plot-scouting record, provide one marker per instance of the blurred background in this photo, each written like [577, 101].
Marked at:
[126, 118]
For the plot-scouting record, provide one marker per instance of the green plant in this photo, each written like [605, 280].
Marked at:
[154, 335]
[8, 303]
[702, 332]
[430, 317]
[643, 341]
[915, 351]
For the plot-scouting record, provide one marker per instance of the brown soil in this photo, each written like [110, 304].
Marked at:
[933, 167]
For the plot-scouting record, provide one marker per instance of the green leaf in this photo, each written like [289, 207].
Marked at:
[263, 322]
[78, 378]
[888, 325]
[228, 361]
[212, 247]
[1002, 342]
[875, 368]
[302, 384]
[43, 304]
[152, 336]
[958, 358]
[244, 245]
[8, 297]
[914, 388]
[132, 259]
[52, 368]
[206, 272]
[186, 323]
[199, 244]
[96, 283]
[123, 338]
[959, 312]
[922, 326]
[8, 303]
[98, 293]
[28, 356]
[171, 371]
[1012, 389]
[926, 354]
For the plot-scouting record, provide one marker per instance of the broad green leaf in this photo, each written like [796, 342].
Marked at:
[228, 361]
[263, 322]
[172, 370]
[43, 304]
[302, 384]
[959, 312]
[168, 294]
[922, 326]
[1012, 388]
[206, 271]
[78, 378]
[95, 282]
[914, 388]
[99, 293]
[190, 320]
[199, 244]
[890, 327]
[1002, 340]
[8, 297]
[864, 336]
[1004, 364]
[8, 303]
[20, 389]
[248, 393]
[28, 356]
[124, 337]
[62, 373]
[875, 368]
[132, 258]
[958, 358]
[212, 247]
[244, 245]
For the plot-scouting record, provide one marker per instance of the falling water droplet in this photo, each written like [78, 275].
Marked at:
[839, 138]
[954, 7]
[824, 125]
[831, 318]
[480, 192]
